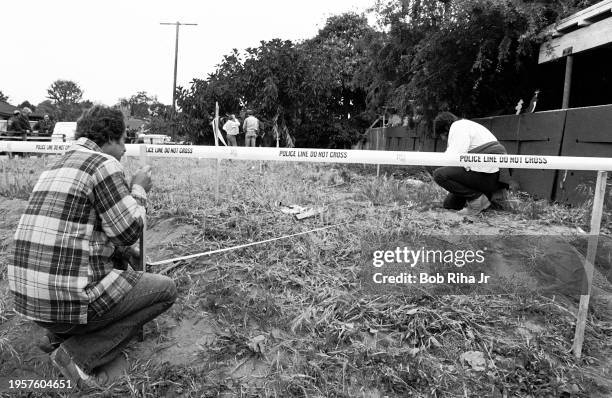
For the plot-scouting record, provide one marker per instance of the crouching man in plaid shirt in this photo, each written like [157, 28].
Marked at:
[81, 213]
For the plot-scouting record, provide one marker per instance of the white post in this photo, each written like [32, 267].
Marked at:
[215, 131]
[378, 144]
[581, 318]
[143, 252]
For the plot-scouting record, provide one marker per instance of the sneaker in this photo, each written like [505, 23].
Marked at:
[71, 370]
[475, 206]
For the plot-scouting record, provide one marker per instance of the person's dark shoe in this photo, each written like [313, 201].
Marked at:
[475, 206]
[501, 200]
[71, 370]
[48, 343]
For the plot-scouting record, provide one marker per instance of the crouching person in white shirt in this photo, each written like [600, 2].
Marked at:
[470, 188]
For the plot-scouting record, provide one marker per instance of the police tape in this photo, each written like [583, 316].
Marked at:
[540, 162]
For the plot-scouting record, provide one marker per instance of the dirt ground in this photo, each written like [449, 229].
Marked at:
[179, 336]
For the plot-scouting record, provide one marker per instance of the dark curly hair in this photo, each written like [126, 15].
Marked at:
[442, 123]
[101, 124]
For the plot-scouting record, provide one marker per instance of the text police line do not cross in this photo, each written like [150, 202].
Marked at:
[539, 162]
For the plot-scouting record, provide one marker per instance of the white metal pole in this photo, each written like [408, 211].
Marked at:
[216, 131]
[581, 318]
[143, 233]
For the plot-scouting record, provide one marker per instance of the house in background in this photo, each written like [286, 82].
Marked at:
[6, 112]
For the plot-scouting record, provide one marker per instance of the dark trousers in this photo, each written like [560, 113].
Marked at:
[464, 185]
[104, 336]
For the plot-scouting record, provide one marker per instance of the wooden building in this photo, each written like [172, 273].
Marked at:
[576, 60]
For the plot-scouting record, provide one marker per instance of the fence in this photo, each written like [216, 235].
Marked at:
[403, 139]
[519, 162]
[570, 132]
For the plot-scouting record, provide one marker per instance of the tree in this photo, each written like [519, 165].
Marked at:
[27, 104]
[66, 96]
[335, 99]
[49, 108]
[307, 89]
[64, 92]
[473, 57]
[3, 98]
[273, 76]
[157, 109]
[267, 79]
[160, 121]
[139, 104]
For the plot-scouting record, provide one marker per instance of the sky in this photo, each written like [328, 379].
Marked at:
[113, 49]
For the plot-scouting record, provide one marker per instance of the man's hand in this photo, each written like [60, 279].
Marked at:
[142, 177]
[134, 256]
[126, 256]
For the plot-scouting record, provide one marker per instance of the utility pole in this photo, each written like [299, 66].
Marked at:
[177, 23]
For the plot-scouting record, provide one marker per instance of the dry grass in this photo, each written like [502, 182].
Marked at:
[297, 307]
[18, 176]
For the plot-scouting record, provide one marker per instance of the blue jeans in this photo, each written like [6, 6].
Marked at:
[104, 336]
[231, 140]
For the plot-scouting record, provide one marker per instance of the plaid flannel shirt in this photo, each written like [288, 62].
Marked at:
[80, 209]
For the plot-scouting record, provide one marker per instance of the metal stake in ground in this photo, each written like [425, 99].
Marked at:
[143, 258]
[378, 143]
[600, 192]
[177, 261]
[216, 131]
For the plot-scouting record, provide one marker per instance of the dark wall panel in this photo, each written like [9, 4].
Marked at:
[429, 145]
[399, 131]
[485, 121]
[506, 130]
[588, 132]
[399, 138]
[539, 134]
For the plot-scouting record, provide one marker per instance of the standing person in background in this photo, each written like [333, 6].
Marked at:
[70, 271]
[469, 187]
[250, 128]
[232, 128]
